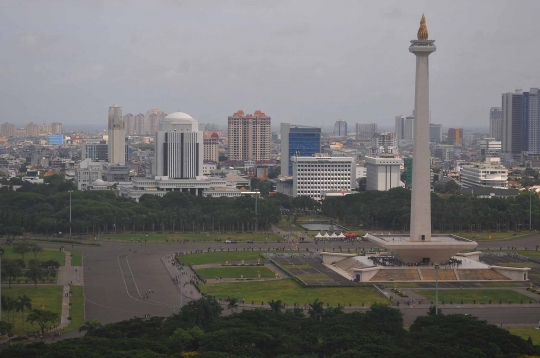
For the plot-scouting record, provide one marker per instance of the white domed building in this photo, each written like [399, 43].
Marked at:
[179, 148]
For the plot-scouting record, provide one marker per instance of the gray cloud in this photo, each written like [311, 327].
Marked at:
[306, 61]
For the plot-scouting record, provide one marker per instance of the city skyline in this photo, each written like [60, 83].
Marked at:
[296, 82]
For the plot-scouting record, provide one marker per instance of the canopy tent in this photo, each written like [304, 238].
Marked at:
[333, 235]
[318, 235]
[326, 234]
[341, 236]
[350, 234]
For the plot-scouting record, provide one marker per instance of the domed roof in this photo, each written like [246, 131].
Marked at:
[181, 115]
[98, 182]
[214, 135]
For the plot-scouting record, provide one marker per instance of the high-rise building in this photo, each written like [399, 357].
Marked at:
[211, 148]
[365, 131]
[96, 151]
[455, 136]
[45, 129]
[531, 121]
[249, 136]
[435, 133]
[56, 128]
[340, 128]
[297, 140]
[8, 129]
[404, 128]
[117, 136]
[56, 139]
[179, 147]
[32, 130]
[495, 123]
[383, 173]
[139, 124]
[129, 120]
[152, 120]
[384, 143]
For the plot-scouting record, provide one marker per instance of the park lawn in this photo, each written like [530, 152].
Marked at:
[485, 236]
[469, 296]
[533, 254]
[46, 255]
[291, 292]
[235, 272]
[525, 333]
[504, 284]
[312, 277]
[76, 258]
[49, 296]
[301, 266]
[221, 257]
[407, 285]
[76, 311]
[205, 237]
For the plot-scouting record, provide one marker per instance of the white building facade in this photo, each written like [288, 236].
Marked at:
[117, 136]
[484, 176]
[315, 176]
[383, 173]
[87, 173]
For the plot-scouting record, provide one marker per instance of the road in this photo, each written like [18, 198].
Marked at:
[118, 275]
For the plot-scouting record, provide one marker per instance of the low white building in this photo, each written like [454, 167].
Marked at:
[315, 176]
[383, 173]
[87, 173]
[481, 175]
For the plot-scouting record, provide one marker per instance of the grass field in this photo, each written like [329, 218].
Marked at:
[533, 254]
[290, 292]
[312, 277]
[505, 284]
[77, 310]
[49, 296]
[220, 257]
[235, 272]
[45, 255]
[485, 236]
[210, 237]
[296, 266]
[469, 296]
[525, 333]
[76, 259]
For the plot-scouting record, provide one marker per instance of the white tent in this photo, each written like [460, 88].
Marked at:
[333, 235]
[341, 235]
[318, 235]
[326, 234]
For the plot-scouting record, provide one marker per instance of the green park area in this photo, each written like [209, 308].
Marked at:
[221, 257]
[45, 255]
[76, 311]
[76, 258]
[490, 236]
[470, 296]
[312, 277]
[208, 236]
[301, 266]
[290, 292]
[47, 297]
[525, 333]
[235, 272]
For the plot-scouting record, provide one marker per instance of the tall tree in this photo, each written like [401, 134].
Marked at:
[21, 247]
[24, 302]
[34, 273]
[35, 248]
[42, 318]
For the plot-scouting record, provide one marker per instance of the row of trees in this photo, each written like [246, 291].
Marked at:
[45, 209]
[11, 305]
[200, 330]
[390, 210]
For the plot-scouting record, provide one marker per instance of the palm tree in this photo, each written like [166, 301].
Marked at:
[316, 309]
[9, 304]
[276, 306]
[90, 326]
[23, 303]
[233, 304]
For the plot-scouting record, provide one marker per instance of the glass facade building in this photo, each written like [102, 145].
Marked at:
[297, 140]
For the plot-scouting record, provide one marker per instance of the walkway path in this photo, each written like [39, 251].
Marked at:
[63, 277]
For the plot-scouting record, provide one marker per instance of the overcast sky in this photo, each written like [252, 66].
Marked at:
[305, 62]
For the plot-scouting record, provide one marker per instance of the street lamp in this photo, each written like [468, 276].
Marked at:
[181, 273]
[257, 192]
[70, 191]
[1, 253]
[436, 289]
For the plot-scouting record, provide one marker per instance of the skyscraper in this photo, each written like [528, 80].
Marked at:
[179, 147]
[8, 129]
[531, 120]
[455, 136]
[56, 127]
[435, 133]
[340, 128]
[249, 136]
[32, 130]
[129, 120]
[117, 136]
[404, 128]
[300, 141]
[139, 124]
[364, 131]
[384, 143]
[211, 148]
[495, 123]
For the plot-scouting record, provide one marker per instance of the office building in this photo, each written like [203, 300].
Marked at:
[87, 173]
[8, 129]
[531, 121]
[435, 133]
[404, 129]
[340, 128]
[383, 173]
[480, 175]
[300, 141]
[319, 175]
[455, 136]
[489, 147]
[444, 152]
[495, 123]
[56, 139]
[179, 147]
[32, 130]
[211, 148]
[249, 136]
[117, 136]
[384, 143]
[365, 131]
[115, 173]
[96, 151]
[56, 127]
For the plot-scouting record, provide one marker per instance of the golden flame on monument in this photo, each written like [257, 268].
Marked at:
[422, 31]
